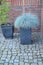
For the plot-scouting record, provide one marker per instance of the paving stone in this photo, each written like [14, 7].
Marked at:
[34, 64]
[11, 61]
[26, 63]
[9, 52]
[25, 60]
[26, 57]
[11, 64]
[25, 54]
[5, 52]
[5, 49]
[0, 55]
[1, 64]
[5, 63]
[30, 61]
[29, 54]
[40, 63]
[13, 57]
[39, 59]
[16, 60]
[16, 63]
[21, 63]
[20, 54]
[30, 57]
[41, 55]
[8, 56]
[17, 57]
[21, 58]
[3, 58]
[35, 60]
[7, 60]
[13, 53]
[1, 61]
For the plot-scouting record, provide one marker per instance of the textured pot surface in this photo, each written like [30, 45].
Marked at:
[25, 36]
[7, 31]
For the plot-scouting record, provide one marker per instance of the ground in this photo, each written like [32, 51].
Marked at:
[14, 53]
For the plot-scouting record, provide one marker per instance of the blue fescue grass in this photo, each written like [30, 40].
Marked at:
[27, 20]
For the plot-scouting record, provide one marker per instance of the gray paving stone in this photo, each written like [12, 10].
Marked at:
[16, 63]
[11, 61]
[16, 60]
[40, 63]
[1, 64]
[30, 57]
[5, 63]
[41, 55]
[25, 54]
[29, 54]
[11, 64]
[13, 53]
[20, 54]
[8, 56]
[7, 60]
[21, 58]
[9, 52]
[35, 60]
[4, 53]
[1, 61]
[3, 58]
[13, 57]
[21, 63]
[34, 64]
[26, 63]
[0, 55]
[39, 59]
[30, 61]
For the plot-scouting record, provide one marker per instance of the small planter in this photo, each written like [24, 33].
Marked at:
[7, 30]
[25, 36]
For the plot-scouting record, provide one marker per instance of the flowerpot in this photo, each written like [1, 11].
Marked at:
[25, 36]
[7, 31]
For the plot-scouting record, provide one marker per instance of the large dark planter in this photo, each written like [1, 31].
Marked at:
[7, 31]
[25, 36]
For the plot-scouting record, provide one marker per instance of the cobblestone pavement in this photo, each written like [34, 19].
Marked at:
[13, 53]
